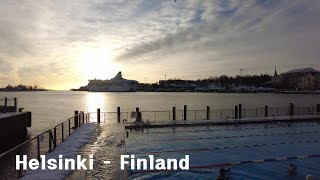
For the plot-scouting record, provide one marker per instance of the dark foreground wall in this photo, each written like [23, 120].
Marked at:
[13, 129]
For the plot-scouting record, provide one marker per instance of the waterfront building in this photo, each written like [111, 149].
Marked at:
[304, 79]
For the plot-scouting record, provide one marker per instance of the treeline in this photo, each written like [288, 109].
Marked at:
[248, 80]
[21, 87]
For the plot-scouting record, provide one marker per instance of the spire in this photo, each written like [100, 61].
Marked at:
[275, 71]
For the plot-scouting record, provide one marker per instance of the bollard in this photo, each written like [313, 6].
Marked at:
[174, 113]
[291, 109]
[265, 111]
[98, 115]
[185, 112]
[76, 119]
[236, 112]
[15, 104]
[208, 112]
[118, 114]
[318, 108]
[240, 111]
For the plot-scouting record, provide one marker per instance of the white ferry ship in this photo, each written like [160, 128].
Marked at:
[116, 84]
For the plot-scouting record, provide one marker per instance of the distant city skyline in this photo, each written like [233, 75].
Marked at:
[61, 44]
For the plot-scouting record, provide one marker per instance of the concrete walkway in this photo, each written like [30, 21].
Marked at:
[104, 148]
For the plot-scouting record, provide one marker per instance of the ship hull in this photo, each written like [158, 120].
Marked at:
[116, 84]
[111, 89]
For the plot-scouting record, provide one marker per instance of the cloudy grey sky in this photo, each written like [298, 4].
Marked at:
[61, 44]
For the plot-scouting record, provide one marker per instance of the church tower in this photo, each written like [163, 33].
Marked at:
[275, 71]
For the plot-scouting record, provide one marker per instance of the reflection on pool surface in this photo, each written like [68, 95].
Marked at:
[214, 145]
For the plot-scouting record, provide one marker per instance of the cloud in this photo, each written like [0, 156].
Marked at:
[190, 38]
[254, 33]
[5, 67]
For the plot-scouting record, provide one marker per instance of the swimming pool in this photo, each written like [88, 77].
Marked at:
[210, 147]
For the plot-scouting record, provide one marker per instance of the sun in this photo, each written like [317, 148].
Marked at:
[96, 63]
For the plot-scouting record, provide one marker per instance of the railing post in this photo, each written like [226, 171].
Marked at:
[50, 141]
[185, 112]
[20, 171]
[38, 147]
[174, 113]
[81, 118]
[69, 126]
[236, 112]
[291, 109]
[82, 115]
[265, 111]
[15, 104]
[98, 115]
[118, 114]
[318, 108]
[5, 104]
[208, 112]
[76, 119]
[54, 137]
[240, 111]
[62, 133]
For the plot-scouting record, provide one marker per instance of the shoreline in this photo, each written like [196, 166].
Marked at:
[231, 92]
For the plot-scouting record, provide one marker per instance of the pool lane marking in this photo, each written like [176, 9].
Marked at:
[228, 147]
[182, 150]
[234, 163]
[229, 129]
[225, 137]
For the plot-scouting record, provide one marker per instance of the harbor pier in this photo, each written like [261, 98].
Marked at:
[13, 124]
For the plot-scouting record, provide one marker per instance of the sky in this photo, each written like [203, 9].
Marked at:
[61, 44]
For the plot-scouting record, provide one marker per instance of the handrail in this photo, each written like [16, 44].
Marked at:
[17, 147]
[37, 136]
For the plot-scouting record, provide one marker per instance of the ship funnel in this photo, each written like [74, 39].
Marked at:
[118, 76]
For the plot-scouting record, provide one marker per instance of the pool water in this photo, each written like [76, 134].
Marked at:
[210, 145]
